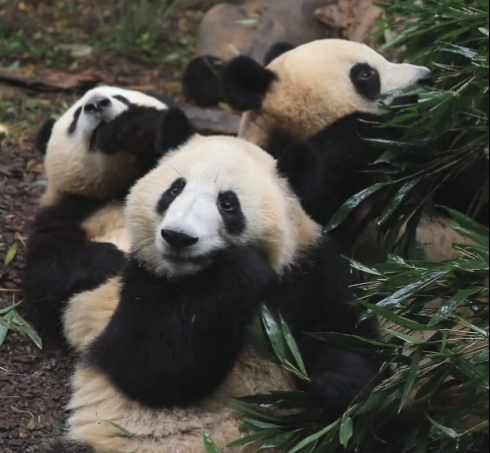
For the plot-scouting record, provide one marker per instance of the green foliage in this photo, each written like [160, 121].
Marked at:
[11, 320]
[435, 319]
[133, 24]
[447, 131]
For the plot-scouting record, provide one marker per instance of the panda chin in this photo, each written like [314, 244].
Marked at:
[181, 266]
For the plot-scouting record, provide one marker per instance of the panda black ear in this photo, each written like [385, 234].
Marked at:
[276, 51]
[43, 135]
[175, 130]
[246, 83]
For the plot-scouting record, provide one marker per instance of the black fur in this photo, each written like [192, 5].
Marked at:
[331, 167]
[74, 123]
[315, 297]
[246, 83]
[175, 130]
[201, 81]
[181, 338]
[170, 194]
[231, 213]
[44, 135]
[69, 446]
[61, 261]
[276, 51]
[367, 81]
[460, 191]
[134, 132]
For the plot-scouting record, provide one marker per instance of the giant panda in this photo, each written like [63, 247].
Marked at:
[326, 92]
[215, 230]
[93, 154]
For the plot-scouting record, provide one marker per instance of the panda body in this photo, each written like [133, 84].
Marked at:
[214, 230]
[325, 94]
[93, 154]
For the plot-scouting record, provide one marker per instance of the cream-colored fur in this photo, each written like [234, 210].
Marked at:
[89, 313]
[96, 403]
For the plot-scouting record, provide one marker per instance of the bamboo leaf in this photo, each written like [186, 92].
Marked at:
[449, 306]
[274, 332]
[11, 254]
[209, 444]
[411, 378]
[447, 431]
[346, 431]
[315, 437]
[293, 347]
[344, 212]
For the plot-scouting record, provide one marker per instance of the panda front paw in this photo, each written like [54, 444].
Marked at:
[247, 267]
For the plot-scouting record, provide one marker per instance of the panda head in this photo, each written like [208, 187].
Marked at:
[210, 194]
[308, 88]
[101, 144]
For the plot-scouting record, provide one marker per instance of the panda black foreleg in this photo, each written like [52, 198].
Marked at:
[340, 378]
[61, 262]
[173, 342]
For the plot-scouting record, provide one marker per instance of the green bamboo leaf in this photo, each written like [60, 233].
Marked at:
[315, 437]
[278, 441]
[261, 435]
[396, 300]
[470, 228]
[408, 338]
[209, 444]
[397, 199]
[3, 333]
[250, 410]
[5, 310]
[341, 215]
[340, 339]
[411, 378]
[447, 431]
[293, 347]
[122, 430]
[346, 431]
[397, 319]
[452, 304]
[274, 332]
[11, 254]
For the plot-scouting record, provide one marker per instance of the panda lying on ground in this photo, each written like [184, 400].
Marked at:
[215, 230]
[93, 155]
[326, 92]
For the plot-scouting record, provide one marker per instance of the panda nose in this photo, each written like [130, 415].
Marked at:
[178, 240]
[97, 104]
[426, 78]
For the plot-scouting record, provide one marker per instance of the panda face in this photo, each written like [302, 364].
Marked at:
[212, 194]
[75, 160]
[199, 218]
[316, 84]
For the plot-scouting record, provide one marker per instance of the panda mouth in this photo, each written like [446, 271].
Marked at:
[183, 260]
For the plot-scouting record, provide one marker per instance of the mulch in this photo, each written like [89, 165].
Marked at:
[34, 384]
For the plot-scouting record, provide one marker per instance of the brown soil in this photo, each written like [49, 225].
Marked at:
[34, 384]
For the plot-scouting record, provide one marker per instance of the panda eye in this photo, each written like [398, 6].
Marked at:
[227, 206]
[177, 188]
[366, 75]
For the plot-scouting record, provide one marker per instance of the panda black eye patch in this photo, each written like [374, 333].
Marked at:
[122, 99]
[170, 195]
[73, 125]
[231, 212]
[367, 81]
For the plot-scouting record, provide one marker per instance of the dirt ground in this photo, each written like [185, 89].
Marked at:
[34, 383]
